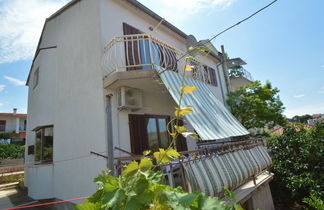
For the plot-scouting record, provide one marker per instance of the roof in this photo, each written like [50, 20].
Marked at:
[132, 2]
[13, 115]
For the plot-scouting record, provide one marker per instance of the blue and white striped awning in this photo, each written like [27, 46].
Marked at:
[210, 119]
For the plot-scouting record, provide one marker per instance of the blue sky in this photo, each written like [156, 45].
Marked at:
[284, 44]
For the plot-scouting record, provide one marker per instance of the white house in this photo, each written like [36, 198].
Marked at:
[94, 86]
[13, 123]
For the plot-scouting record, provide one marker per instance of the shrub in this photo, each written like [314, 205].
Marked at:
[11, 151]
[298, 161]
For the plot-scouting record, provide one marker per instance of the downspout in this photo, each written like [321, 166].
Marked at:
[225, 70]
[110, 149]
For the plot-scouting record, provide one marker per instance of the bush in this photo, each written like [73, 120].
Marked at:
[298, 161]
[11, 151]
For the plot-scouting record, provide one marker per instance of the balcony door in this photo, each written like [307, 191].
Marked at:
[137, 50]
[149, 132]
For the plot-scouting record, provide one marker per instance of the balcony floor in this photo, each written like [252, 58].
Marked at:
[140, 79]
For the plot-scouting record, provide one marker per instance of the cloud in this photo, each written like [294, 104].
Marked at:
[2, 87]
[1, 104]
[299, 96]
[308, 109]
[15, 81]
[21, 23]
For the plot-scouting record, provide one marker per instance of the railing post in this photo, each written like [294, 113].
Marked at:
[150, 47]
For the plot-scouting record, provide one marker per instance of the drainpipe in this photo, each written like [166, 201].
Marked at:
[225, 68]
[110, 145]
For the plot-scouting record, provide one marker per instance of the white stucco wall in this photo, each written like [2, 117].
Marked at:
[11, 123]
[70, 95]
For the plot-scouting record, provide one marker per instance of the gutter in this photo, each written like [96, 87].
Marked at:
[110, 145]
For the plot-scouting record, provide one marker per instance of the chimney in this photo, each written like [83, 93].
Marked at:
[15, 110]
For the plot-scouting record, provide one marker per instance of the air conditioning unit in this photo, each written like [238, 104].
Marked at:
[129, 98]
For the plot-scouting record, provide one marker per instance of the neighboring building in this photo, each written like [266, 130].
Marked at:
[237, 74]
[94, 86]
[13, 126]
[316, 118]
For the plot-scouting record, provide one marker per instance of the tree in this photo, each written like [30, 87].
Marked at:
[298, 163]
[255, 105]
[301, 119]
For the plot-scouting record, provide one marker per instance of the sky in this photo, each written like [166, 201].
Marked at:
[283, 44]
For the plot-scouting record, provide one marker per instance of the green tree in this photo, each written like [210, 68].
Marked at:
[255, 105]
[298, 163]
[301, 119]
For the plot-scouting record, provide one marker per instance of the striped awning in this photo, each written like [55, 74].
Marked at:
[211, 174]
[210, 119]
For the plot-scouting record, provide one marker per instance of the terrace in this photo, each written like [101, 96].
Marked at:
[124, 54]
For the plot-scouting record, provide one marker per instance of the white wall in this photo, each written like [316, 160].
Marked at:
[70, 97]
[11, 122]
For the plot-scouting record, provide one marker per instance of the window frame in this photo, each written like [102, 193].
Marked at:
[3, 124]
[42, 140]
[157, 118]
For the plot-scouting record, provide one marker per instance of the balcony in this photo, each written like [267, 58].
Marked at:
[125, 58]
[240, 72]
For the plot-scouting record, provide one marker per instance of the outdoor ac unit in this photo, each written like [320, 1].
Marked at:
[129, 98]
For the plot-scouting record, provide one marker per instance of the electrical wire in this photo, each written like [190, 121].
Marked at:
[232, 26]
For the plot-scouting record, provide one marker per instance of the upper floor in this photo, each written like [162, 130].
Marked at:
[13, 122]
[114, 37]
[238, 75]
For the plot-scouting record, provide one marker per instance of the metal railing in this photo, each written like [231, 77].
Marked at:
[143, 51]
[240, 72]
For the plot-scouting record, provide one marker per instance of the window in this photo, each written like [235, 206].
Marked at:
[44, 145]
[149, 132]
[36, 78]
[2, 125]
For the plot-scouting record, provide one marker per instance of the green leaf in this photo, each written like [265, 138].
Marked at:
[166, 156]
[210, 203]
[230, 195]
[145, 164]
[88, 206]
[130, 169]
[183, 111]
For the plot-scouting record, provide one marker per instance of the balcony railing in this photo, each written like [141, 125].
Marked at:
[240, 72]
[142, 51]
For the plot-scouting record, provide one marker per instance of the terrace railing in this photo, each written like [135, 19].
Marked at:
[240, 72]
[143, 51]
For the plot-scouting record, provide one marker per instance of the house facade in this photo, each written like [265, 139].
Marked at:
[13, 126]
[238, 75]
[102, 85]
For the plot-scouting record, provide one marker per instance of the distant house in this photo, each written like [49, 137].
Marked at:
[105, 81]
[13, 126]
[316, 118]
[238, 75]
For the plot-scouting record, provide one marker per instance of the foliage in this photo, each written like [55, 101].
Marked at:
[8, 135]
[298, 162]
[314, 202]
[255, 105]
[11, 151]
[139, 187]
[301, 119]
